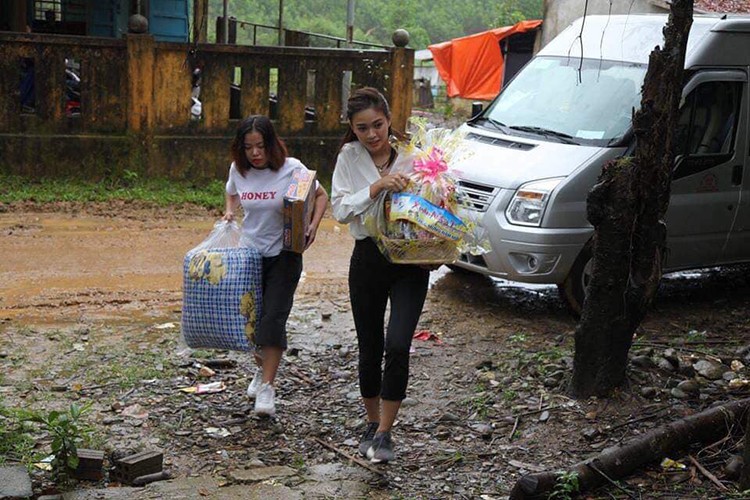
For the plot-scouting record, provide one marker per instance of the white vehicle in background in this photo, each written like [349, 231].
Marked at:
[539, 147]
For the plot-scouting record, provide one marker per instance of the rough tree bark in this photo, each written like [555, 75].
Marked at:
[619, 461]
[626, 208]
[745, 473]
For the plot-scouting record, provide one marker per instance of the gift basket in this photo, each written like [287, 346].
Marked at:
[222, 291]
[428, 222]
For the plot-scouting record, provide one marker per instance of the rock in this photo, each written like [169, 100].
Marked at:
[733, 467]
[671, 355]
[409, 402]
[643, 362]
[649, 392]
[678, 393]
[710, 369]
[591, 433]
[690, 386]
[729, 376]
[448, 417]
[15, 482]
[665, 365]
[483, 430]
[551, 382]
[544, 416]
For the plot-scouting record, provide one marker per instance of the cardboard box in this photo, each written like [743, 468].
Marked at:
[298, 207]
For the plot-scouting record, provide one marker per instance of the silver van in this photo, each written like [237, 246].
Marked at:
[539, 146]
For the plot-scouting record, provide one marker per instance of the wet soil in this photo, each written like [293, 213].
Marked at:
[90, 300]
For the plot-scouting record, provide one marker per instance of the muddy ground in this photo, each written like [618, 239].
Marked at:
[90, 300]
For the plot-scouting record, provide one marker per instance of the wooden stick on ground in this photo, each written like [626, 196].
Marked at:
[356, 460]
[706, 473]
[705, 427]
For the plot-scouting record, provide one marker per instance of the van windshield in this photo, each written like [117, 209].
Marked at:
[569, 100]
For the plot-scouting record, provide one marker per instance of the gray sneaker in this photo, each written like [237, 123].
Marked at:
[381, 450]
[366, 441]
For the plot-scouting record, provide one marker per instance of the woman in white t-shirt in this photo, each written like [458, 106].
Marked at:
[364, 170]
[258, 178]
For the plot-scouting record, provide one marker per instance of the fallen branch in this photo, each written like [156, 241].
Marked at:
[619, 461]
[356, 460]
[706, 473]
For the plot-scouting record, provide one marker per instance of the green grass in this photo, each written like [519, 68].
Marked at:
[16, 442]
[129, 187]
[161, 192]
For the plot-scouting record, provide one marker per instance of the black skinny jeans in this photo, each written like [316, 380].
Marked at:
[372, 281]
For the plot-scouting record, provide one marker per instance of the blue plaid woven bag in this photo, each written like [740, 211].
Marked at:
[222, 292]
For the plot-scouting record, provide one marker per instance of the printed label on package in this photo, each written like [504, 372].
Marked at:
[439, 221]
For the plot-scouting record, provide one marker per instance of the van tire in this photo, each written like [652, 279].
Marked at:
[573, 289]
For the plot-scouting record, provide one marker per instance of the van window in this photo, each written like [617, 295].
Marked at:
[591, 101]
[708, 119]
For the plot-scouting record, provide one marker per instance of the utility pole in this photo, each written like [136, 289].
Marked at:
[225, 23]
[281, 22]
[349, 22]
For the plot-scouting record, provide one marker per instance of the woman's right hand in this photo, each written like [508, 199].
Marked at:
[228, 216]
[392, 182]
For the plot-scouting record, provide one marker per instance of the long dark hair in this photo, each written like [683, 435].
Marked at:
[360, 100]
[275, 149]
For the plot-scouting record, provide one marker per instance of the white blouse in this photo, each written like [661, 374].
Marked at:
[350, 188]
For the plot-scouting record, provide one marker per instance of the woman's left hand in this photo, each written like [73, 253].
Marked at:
[310, 235]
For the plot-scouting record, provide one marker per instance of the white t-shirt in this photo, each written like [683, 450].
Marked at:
[350, 187]
[261, 193]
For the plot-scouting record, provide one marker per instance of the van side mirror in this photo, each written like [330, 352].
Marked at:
[476, 108]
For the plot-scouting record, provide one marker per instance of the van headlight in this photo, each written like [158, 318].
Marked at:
[528, 204]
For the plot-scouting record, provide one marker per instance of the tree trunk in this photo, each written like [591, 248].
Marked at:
[626, 208]
[619, 461]
[745, 473]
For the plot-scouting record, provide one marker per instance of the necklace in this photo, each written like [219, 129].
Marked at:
[387, 162]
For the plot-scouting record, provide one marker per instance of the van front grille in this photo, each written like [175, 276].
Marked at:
[496, 141]
[476, 196]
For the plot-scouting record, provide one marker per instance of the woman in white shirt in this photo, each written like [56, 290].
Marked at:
[258, 178]
[363, 171]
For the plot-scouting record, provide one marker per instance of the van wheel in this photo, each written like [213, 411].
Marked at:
[573, 289]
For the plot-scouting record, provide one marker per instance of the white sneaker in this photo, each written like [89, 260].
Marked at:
[252, 389]
[264, 401]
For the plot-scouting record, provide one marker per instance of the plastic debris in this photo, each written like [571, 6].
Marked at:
[668, 464]
[428, 335]
[217, 431]
[205, 388]
[165, 326]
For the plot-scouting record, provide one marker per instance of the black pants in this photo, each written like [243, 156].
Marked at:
[372, 281]
[280, 277]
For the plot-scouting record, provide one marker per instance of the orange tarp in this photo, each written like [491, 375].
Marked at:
[472, 66]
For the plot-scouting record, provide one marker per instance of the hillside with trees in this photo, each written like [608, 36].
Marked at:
[427, 21]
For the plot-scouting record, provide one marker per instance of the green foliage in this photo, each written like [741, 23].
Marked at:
[67, 431]
[565, 486]
[15, 441]
[427, 21]
[129, 187]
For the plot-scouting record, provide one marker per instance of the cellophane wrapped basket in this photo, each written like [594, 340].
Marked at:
[426, 223]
